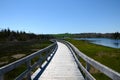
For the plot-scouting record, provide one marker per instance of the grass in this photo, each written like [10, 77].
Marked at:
[8, 49]
[105, 55]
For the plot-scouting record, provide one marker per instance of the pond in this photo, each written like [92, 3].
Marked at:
[103, 41]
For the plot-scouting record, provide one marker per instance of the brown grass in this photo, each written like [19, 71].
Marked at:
[17, 56]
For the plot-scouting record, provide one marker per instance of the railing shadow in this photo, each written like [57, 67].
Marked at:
[50, 51]
[45, 65]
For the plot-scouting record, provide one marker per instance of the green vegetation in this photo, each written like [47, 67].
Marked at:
[105, 55]
[16, 45]
[11, 51]
[115, 35]
[62, 36]
[9, 35]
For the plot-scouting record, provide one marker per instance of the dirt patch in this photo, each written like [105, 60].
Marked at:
[113, 55]
[93, 70]
[17, 56]
[101, 54]
[35, 50]
[1, 63]
[3, 60]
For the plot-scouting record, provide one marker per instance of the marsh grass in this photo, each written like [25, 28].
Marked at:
[105, 55]
[15, 72]
[8, 49]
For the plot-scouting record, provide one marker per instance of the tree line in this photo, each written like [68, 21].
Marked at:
[10, 35]
[115, 35]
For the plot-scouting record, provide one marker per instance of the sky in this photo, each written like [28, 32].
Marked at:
[60, 16]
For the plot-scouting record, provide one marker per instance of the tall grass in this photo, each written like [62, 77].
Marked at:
[7, 49]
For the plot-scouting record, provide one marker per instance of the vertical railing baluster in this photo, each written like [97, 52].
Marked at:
[88, 69]
[29, 68]
[47, 54]
[87, 66]
[41, 59]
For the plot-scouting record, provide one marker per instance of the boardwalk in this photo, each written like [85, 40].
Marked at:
[59, 65]
[62, 66]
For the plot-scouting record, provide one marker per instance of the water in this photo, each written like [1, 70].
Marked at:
[103, 41]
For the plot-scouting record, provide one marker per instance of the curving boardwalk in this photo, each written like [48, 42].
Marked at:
[59, 65]
[62, 66]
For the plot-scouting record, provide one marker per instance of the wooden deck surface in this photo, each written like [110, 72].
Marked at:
[62, 66]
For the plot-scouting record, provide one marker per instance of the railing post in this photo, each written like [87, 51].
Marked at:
[41, 59]
[87, 66]
[29, 68]
[2, 77]
[88, 69]
[47, 54]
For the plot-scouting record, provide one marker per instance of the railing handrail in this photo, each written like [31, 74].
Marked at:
[87, 74]
[102, 68]
[21, 61]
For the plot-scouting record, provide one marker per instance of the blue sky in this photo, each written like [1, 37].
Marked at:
[60, 16]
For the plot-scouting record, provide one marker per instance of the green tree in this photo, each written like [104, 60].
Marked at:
[116, 35]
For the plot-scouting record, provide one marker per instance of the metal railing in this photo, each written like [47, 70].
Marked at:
[90, 62]
[50, 51]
